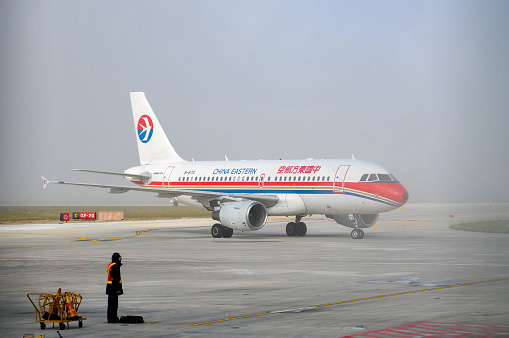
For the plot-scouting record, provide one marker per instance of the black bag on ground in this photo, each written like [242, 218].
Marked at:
[131, 320]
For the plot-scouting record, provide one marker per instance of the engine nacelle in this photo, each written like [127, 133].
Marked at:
[363, 221]
[242, 216]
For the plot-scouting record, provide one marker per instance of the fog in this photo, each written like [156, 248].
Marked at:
[421, 87]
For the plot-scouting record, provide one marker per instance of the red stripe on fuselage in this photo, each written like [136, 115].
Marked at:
[391, 191]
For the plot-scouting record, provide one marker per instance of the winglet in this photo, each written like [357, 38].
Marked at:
[45, 182]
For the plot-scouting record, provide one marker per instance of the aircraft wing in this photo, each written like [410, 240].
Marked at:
[204, 197]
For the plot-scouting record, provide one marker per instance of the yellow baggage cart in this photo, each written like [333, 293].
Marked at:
[59, 308]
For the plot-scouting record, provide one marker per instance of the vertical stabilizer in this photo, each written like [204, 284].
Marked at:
[153, 144]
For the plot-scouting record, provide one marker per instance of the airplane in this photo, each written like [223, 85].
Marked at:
[242, 194]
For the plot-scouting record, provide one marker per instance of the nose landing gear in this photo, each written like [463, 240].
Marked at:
[357, 233]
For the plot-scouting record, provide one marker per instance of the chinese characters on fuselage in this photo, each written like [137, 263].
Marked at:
[299, 169]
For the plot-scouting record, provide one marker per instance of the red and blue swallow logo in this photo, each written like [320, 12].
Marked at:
[145, 128]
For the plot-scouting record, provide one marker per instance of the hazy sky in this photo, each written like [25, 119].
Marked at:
[421, 87]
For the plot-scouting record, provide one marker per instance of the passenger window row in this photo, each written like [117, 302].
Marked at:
[253, 179]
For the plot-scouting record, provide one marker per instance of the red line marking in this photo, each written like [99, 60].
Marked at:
[459, 330]
[368, 334]
[437, 329]
[405, 333]
[447, 332]
[413, 330]
[477, 326]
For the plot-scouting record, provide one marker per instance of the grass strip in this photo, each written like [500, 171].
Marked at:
[32, 214]
[499, 226]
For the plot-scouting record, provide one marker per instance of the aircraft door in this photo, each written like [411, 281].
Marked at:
[166, 177]
[339, 179]
[261, 182]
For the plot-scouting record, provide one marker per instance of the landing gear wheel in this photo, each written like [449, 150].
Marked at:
[62, 326]
[43, 326]
[357, 234]
[291, 229]
[227, 232]
[80, 324]
[302, 229]
[354, 233]
[217, 230]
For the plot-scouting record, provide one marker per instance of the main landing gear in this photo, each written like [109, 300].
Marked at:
[296, 228]
[219, 230]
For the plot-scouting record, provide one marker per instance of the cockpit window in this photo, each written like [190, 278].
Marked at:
[378, 178]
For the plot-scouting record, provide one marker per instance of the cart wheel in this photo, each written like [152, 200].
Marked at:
[62, 326]
[43, 326]
[80, 324]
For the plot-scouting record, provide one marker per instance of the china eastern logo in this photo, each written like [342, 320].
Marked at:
[145, 128]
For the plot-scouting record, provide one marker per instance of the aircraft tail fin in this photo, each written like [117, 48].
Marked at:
[153, 145]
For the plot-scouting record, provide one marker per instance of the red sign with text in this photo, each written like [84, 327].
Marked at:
[87, 215]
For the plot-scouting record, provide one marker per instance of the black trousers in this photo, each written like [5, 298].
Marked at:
[112, 308]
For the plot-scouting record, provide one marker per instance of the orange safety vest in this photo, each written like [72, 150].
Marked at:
[108, 274]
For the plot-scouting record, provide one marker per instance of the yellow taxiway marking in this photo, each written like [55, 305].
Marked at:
[346, 301]
[86, 239]
[137, 233]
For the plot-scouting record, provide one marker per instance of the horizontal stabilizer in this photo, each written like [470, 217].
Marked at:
[138, 176]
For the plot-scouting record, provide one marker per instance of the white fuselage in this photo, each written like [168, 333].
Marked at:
[304, 187]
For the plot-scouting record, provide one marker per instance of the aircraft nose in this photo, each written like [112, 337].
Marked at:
[405, 196]
[399, 193]
[395, 192]
[403, 193]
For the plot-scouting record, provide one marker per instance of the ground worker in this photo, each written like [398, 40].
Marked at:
[113, 286]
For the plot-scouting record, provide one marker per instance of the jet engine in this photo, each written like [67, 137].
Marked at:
[363, 221]
[242, 216]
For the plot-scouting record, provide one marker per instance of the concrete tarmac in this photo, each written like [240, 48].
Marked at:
[410, 267]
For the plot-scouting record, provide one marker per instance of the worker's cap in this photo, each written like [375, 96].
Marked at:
[116, 257]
